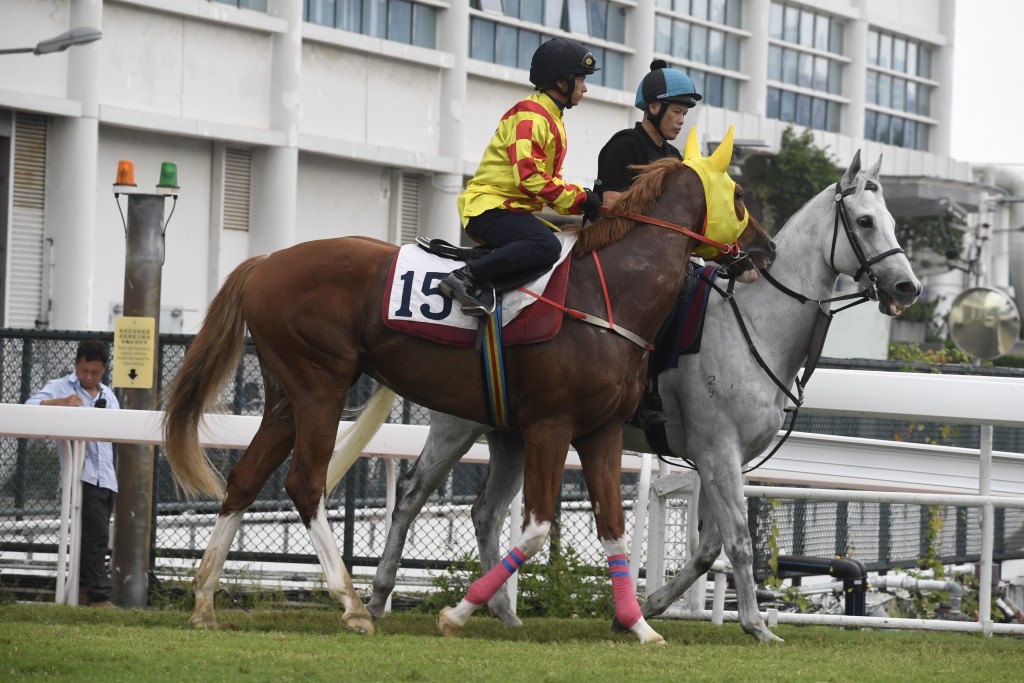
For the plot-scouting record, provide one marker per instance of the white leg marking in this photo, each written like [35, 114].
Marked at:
[212, 566]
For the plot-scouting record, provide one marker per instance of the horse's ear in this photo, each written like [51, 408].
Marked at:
[692, 148]
[722, 156]
[850, 177]
[874, 170]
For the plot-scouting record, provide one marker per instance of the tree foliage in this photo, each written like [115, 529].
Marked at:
[942, 235]
[784, 182]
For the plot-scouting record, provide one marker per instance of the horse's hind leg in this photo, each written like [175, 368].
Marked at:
[448, 439]
[316, 427]
[601, 457]
[269, 448]
[504, 479]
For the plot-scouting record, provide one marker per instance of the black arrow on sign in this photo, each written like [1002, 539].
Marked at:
[133, 374]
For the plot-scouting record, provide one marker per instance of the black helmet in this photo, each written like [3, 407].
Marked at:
[663, 84]
[560, 58]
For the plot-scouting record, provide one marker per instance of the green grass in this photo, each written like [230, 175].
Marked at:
[48, 642]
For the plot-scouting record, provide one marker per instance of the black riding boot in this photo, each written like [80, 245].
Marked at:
[475, 298]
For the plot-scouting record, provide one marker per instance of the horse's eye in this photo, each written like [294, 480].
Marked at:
[739, 193]
[870, 186]
[865, 221]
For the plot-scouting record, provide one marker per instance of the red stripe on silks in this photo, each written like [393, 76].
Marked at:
[551, 191]
[535, 108]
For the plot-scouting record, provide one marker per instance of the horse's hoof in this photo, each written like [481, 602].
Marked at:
[363, 625]
[511, 621]
[767, 636]
[654, 639]
[202, 622]
[617, 626]
[445, 626]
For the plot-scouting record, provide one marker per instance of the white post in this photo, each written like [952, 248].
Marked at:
[643, 495]
[389, 506]
[78, 448]
[656, 539]
[63, 535]
[718, 603]
[987, 532]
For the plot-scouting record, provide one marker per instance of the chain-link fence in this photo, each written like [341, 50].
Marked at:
[882, 535]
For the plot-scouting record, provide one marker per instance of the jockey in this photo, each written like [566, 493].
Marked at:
[520, 174]
[664, 95]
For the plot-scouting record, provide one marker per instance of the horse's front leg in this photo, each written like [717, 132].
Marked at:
[504, 479]
[544, 461]
[448, 439]
[601, 456]
[721, 480]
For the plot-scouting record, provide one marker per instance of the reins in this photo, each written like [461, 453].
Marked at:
[730, 249]
[821, 324]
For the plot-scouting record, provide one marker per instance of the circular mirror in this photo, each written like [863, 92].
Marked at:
[984, 322]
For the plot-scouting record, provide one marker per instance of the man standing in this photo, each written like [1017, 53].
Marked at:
[82, 388]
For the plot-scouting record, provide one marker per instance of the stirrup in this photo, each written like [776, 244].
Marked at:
[480, 309]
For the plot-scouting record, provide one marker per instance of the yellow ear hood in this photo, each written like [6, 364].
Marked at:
[722, 156]
[692, 148]
[721, 223]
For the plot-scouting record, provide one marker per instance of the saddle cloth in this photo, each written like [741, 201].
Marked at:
[414, 305]
[690, 329]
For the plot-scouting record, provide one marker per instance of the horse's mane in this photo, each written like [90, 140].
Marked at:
[638, 199]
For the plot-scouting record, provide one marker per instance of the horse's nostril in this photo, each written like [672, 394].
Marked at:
[913, 288]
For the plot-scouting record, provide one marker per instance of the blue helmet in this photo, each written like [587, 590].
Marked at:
[663, 84]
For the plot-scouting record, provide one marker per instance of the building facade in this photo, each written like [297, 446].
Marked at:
[293, 120]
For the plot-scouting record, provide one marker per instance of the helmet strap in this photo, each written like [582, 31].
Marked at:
[655, 119]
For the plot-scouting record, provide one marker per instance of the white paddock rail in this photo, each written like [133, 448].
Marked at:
[985, 401]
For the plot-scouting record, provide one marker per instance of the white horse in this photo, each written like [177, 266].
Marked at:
[716, 423]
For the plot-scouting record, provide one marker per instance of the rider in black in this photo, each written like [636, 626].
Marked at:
[665, 96]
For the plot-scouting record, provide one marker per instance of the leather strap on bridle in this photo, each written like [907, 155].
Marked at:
[730, 249]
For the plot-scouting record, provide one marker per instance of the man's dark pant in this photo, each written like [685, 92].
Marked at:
[97, 505]
[526, 247]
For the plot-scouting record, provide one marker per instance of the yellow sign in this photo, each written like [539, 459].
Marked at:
[134, 352]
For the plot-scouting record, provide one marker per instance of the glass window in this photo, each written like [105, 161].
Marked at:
[835, 42]
[681, 6]
[733, 14]
[553, 13]
[731, 94]
[805, 76]
[681, 39]
[716, 11]
[821, 32]
[835, 77]
[698, 81]
[732, 52]
[616, 24]
[885, 51]
[506, 44]
[899, 91]
[924, 104]
[899, 54]
[612, 68]
[869, 125]
[320, 12]
[578, 16]
[493, 5]
[912, 59]
[597, 78]
[789, 58]
[716, 48]
[598, 18]
[375, 18]
[714, 90]
[400, 21]
[772, 104]
[699, 44]
[775, 21]
[787, 106]
[803, 110]
[882, 132]
[924, 62]
[911, 104]
[663, 35]
[531, 11]
[884, 90]
[834, 117]
[820, 73]
[896, 131]
[791, 25]
[663, 4]
[775, 62]
[909, 132]
[806, 28]
[873, 48]
[511, 8]
[259, 5]
[699, 9]
[481, 40]
[529, 41]
[923, 133]
[350, 15]
[871, 94]
[819, 113]
[424, 26]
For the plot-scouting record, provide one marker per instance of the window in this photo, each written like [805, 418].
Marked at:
[805, 110]
[901, 94]
[258, 5]
[403, 21]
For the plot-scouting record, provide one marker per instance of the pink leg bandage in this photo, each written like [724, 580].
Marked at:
[484, 588]
[627, 609]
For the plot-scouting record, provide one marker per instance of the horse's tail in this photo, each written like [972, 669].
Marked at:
[211, 359]
[359, 434]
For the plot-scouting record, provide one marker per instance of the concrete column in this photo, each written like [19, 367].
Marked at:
[942, 71]
[276, 169]
[640, 36]
[439, 215]
[73, 186]
[754, 58]
[855, 78]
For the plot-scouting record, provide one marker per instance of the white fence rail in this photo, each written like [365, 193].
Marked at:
[947, 473]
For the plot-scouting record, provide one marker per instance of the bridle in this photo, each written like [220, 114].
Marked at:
[824, 314]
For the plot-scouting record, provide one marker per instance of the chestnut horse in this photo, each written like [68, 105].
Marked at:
[314, 313]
